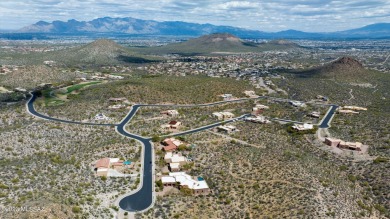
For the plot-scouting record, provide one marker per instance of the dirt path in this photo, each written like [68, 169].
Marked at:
[322, 133]
[385, 60]
[149, 119]
[352, 96]
[263, 85]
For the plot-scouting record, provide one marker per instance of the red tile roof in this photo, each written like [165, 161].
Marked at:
[169, 146]
[172, 122]
[103, 163]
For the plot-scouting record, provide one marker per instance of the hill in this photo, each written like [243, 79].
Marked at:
[342, 69]
[219, 43]
[99, 52]
[278, 45]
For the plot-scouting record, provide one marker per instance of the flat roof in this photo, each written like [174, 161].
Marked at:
[168, 179]
[174, 165]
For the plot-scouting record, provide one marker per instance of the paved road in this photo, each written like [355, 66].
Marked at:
[143, 198]
[31, 110]
[285, 120]
[206, 127]
[325, 123]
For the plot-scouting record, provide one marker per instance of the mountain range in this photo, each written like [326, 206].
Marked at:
[132, 26]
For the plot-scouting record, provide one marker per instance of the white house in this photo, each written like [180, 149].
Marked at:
[227, 96]
[172, 113]
[218, 115]
[115, 77]
[186, 181]
[297, 103]
[315, 114]
[250, 93]
[101, 116]
[227, 128]
[257, 119]
[303, 127]
[175, 158]
[117, 106]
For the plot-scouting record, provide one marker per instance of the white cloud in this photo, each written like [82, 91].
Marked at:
[238, 5]
[268, 15]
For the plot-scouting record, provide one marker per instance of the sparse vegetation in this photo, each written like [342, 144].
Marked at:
[261, 171]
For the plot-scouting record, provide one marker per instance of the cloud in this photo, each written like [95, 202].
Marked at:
[268, 15]
[238, 5]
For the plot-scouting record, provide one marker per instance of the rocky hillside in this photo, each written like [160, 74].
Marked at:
[343, 69]
[220, 43]
[99, 52]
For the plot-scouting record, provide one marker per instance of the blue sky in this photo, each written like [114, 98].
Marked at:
[266, 15]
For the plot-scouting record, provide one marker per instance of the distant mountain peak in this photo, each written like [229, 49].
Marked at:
[41, 23]
[343, 69]
[104, 43]
[104, 46]
[217, 37]
[348, 61]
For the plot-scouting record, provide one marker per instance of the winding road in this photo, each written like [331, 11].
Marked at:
[143, 198]
[32, 111]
